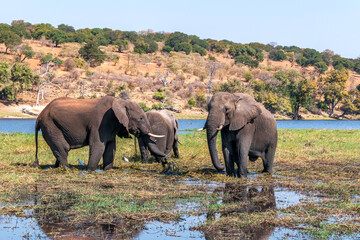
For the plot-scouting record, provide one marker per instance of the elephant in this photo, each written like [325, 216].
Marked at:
[247, 129]
[68, 123]
[162, 123]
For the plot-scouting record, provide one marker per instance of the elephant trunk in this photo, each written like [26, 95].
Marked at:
[211, 139]
[155, 151]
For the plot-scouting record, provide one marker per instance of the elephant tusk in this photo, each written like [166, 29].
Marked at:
[156, 136]
[179, 142]
[200, 129]
[219, 128]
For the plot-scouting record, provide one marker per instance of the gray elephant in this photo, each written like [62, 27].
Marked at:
[72, 123]
[247, 129]
[162, 123]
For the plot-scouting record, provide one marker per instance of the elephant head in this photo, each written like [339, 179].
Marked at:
[134, 120]
[232, 111]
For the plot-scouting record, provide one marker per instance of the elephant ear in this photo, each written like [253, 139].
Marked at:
[119, 108]
[246, 110]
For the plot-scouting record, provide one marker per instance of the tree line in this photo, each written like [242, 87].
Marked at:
[284, 92]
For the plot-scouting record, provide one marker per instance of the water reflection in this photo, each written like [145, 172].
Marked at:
[245, 199]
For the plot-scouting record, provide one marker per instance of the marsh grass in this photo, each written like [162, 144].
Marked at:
[322, 163]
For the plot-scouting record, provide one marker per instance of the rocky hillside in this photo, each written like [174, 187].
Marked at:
[142, 77]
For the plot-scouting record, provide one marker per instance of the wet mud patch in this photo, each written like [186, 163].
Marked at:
[145, 205]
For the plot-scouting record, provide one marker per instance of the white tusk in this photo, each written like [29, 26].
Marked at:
[200, 129]
[219, 128]
[156, 136]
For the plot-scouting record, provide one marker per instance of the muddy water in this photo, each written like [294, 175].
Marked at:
[192, 215]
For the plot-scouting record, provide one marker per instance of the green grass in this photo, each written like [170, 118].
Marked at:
[324, 163]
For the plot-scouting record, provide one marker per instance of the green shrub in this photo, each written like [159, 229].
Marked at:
[79, 62]
[191, 102]
[157, 106]
[278, 55]
[248, 76]
[198, 49]
[89, 73]
[167, 49]
[159, 96]
[144, 107]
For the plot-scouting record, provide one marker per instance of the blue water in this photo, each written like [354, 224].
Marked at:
[28, 125]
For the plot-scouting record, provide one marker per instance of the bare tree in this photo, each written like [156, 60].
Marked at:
[162, 76]
[212, 67]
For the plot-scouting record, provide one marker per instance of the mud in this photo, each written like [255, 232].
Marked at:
[244, 198]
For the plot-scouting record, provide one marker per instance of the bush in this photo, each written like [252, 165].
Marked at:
[246, 60]
[201, 100]
[248, 76]
[183, 47]
[79, 62]
[321, 67]
[191, 102]
[167, 49]
[144, 107]
[157, 106]
[69, 64]
[278, 55]
[196, 48]
[159, 96]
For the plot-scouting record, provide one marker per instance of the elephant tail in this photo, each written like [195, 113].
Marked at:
[37, 128]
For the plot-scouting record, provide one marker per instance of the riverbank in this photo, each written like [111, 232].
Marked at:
[313, 193]
[26, 111]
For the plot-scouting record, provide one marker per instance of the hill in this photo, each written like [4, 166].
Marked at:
[168, 75]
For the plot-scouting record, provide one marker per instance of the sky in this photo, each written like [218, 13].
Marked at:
[317, 24]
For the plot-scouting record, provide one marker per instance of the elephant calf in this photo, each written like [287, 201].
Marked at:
[162, 123]
[247, 129]
[73, 123]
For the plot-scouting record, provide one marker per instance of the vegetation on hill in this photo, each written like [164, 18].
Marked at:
[173, 70]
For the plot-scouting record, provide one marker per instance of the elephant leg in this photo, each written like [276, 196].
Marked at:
[143, 150]
[176, 149]
[242, 157]
[95, 153]
[269, 160]
[227, 150]
[109, 154]
[58, 145]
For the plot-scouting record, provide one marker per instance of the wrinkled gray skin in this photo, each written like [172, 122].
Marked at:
[162, 123]
[72, 123]
[248, 129]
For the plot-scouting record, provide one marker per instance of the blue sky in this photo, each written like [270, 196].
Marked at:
[314, 24]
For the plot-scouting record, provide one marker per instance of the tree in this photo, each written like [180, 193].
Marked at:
[333, 87]
[298, 89]
[143, 45]
[91, 53]
[66, 28]
[183, 46]
[218, 46]
[21, 28]
[278, 55]
[57, 36]
[212, 67]
[21, 78]
[198, 49]
[10, 39]
[321, 67]
[122, 45]
[351, 103]
[25, 51]
[176, 38]
[4, 72]
[246, 60]
[41, 30]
